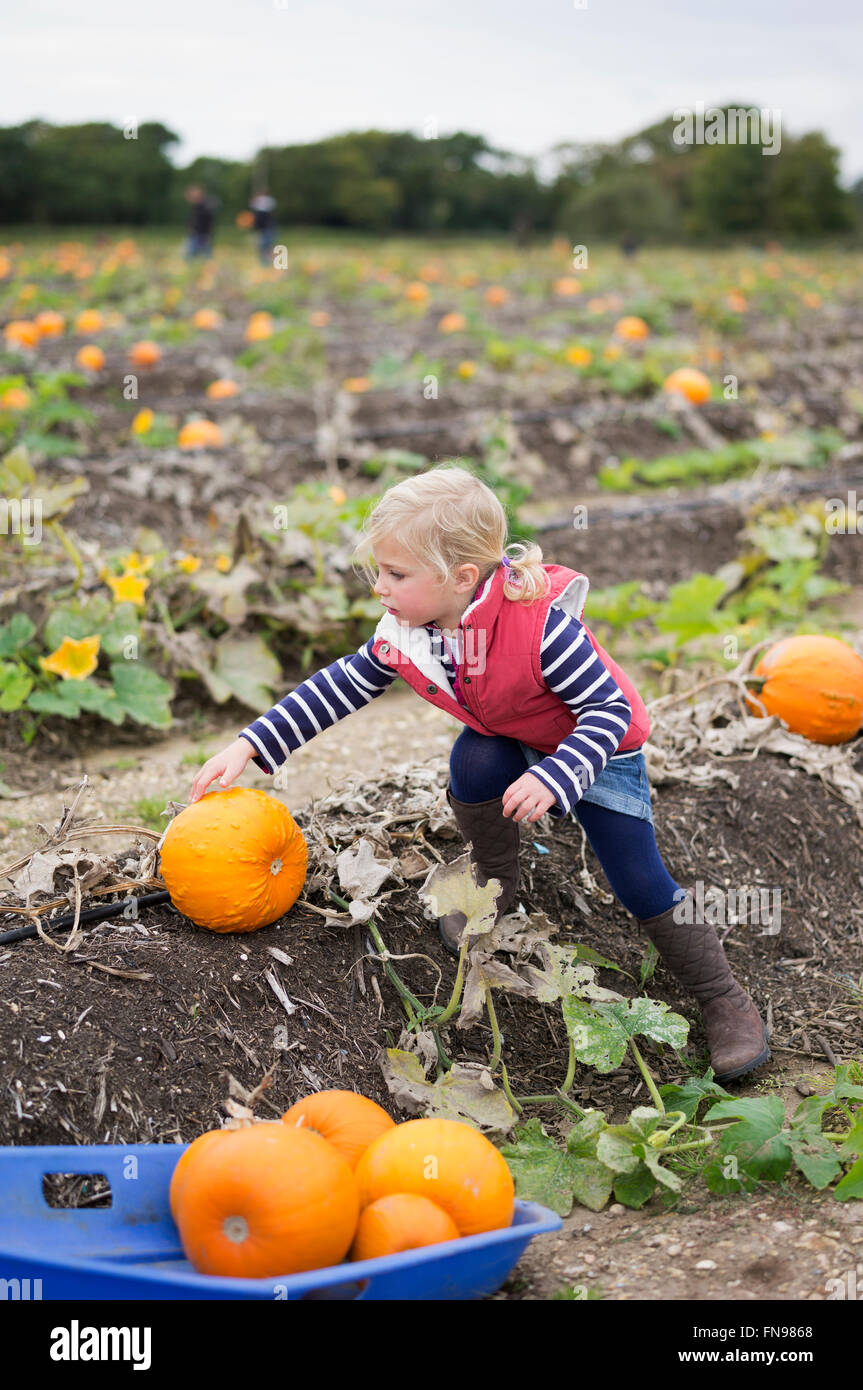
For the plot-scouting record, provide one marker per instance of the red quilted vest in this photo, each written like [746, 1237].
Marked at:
[500, 671]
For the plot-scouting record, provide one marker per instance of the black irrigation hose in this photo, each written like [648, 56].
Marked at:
[90, 914]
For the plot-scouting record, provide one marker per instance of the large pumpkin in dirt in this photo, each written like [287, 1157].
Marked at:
[349, 1122]
[265, 1200]
[234, 861]
[815, 684]
[447, 1161]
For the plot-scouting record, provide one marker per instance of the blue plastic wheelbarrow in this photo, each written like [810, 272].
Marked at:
[131, 1249]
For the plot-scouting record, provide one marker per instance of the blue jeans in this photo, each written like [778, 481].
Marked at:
[197, 244]
[615, 813]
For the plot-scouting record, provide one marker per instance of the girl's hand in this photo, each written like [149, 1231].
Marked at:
[230, 763]
[530, 796]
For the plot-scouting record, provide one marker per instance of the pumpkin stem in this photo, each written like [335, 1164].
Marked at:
[276, 867]
[235, 1229]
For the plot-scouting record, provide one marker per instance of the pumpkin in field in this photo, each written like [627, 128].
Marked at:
[21, 333]
[631, 327]
[91, 357]
[815, 684]
[350, 1122]
[266, 1200]
[200, 434]
[145, 353]
[688, 382]
[89, 321]
[207, 318]
[496, 294]
[222, 388]
[234, 860]
[259, 326]
[447, 1161]
[15, 398]
[187, 1157]
[452, 323]
[50, 324]
[401, 1221]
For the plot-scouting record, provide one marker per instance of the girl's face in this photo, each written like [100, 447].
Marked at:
[414, 595]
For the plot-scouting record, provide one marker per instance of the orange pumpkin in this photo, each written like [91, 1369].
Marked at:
[350, 1122]
[222, 388]
[688, 382]
[88, 321]
[447, 1161]
[145, 353]
[234, 860]
[266, 1200]
[207, 318]
[496, 294]
[452, 323]
[815, 684]
[15, 398]
[91, 357]
[416, 292]
[631, 327]
[399, 1222]
[21, 333]
[259, 327]
[567, 285]
[200, 434]
[187, 1157]
[50, 324]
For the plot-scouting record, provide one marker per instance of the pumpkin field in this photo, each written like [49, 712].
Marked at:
[187, 452]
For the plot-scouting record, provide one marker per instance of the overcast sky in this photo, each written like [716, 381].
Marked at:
[228, 77]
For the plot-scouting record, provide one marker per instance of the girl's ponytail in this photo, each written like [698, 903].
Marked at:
[526, 579]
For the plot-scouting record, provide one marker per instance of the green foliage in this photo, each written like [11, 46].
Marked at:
[803, 449]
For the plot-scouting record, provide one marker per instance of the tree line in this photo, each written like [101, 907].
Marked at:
[649, 186]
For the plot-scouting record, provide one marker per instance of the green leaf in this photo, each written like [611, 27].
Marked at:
[690, 609]
[756, 1140]
[601, 1032]
[15, 634]
[543, 1172]
[815, 1156]
[635, 1188]
[851, 1185]
[16, 682]
[581, 1139]
[689, 1096]
[142, 693]
[248, 668]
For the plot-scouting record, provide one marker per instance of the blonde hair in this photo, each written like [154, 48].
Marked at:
[448, 517]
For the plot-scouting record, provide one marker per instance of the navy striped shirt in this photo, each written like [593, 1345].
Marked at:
[570, 667]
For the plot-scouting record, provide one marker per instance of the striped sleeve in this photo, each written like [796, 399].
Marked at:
[329, 695]
[576, 674]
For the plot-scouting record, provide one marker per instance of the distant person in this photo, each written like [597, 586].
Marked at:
[202, 215]
[263, 209]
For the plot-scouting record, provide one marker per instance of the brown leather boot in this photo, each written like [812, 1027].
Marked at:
[493, 840]
[691, 950]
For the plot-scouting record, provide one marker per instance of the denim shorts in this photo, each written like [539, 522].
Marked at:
[621, 786]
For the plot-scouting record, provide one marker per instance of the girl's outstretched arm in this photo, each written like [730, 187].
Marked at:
[329, 695]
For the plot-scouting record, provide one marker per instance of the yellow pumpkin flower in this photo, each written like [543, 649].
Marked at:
[465, 370]
[133, 563]
[127, 588]
[189, 563]
[143, 421]
[579, 356]
[338, 495]
[73, 660]
[223, 563]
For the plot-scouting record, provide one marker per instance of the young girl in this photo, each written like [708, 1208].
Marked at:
[551, 722]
